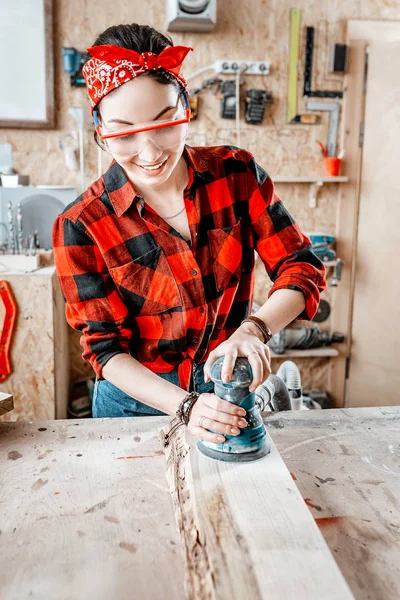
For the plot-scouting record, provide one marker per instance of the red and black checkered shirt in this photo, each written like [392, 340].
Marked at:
[132, 284]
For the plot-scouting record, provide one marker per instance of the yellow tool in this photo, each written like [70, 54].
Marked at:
[295, 14]
[292, 116]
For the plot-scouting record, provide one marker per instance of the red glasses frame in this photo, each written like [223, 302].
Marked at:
[150, 128]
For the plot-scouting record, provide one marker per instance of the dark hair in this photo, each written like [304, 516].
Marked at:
[141, 38]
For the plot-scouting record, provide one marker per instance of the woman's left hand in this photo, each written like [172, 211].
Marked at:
[246, 341]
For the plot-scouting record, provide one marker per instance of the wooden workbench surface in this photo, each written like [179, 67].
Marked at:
[85, 511]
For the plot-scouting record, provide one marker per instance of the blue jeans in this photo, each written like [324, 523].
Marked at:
[110, 401]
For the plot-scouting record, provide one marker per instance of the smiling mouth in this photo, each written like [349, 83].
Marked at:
[153, 167]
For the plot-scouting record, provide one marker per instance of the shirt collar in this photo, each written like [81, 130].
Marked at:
[119, 189]
[122, 193]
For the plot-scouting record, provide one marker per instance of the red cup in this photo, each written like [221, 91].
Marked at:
[332, 166]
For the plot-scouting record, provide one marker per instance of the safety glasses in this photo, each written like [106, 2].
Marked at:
[165, 134]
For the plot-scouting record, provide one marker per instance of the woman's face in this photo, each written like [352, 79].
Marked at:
[143, 100]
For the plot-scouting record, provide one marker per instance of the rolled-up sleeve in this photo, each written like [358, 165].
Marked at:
[93, 305]
[285, 251]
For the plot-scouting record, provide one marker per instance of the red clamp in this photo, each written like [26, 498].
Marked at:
[7, 329]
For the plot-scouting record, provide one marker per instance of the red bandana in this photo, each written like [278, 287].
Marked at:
[111, 66]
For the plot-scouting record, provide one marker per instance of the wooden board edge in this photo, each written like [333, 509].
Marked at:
[198, 582]
[210, 542]
[6, 403]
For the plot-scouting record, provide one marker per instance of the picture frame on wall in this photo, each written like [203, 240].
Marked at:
[26, 64]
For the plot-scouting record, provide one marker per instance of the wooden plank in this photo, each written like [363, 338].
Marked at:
[373, 322]
[345, 464]
[359, 34]
[61, 352]
[86, 512]
[246, 530]
[373, 31]
[347, 216]
[310, 179]
[311, 352]
[6, 403]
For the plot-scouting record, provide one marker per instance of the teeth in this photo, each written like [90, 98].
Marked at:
[153, 168]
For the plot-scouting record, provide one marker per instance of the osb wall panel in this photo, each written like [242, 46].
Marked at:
[246, 29]
[31, 381]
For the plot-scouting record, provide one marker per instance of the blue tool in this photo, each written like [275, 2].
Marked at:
[321, 243]
[252, 442]
[73, 62]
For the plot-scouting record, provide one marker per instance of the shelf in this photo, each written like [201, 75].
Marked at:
[316, 179]
[315, 182]
[311, 353]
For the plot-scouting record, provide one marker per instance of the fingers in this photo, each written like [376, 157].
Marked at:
[257, 369]
[223, 418]
[207, 436]
[212, 357]
[228, 365]
[222, 406]
[218, 427]
[219, 416]
[260, 367]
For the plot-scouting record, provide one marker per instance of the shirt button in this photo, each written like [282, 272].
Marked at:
[193, 272]
[202, 309]
[195, 340]
[191, 196]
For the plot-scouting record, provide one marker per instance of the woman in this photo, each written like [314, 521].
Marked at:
[156, 258]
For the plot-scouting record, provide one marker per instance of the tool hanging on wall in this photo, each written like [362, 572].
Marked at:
[10, 315]
[323, 312]
[307, 91]
[338, 59]
[303, 338]
[11, 233]
[256, 101]
[212, 83]
[20, 229]
[73, 61]
[228, 99]
[77, 113]
[337, 273]
[194, 107]
[294, 40]
[333, 108]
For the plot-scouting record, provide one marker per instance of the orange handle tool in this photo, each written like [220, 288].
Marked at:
[7, 328]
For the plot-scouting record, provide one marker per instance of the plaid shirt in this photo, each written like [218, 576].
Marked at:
[132, 284]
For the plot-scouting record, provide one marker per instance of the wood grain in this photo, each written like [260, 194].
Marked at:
[346, 466]
[251, 535]
[373, 270]
[86, 512]
[78, 497]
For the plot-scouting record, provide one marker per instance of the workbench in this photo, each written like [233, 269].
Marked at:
[86, 511]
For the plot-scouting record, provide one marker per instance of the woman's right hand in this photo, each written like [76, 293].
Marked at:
[220, 416]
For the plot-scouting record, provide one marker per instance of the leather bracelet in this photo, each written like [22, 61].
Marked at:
[185, 408]
[263, 327]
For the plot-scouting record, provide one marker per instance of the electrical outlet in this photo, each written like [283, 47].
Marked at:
[253, 67]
